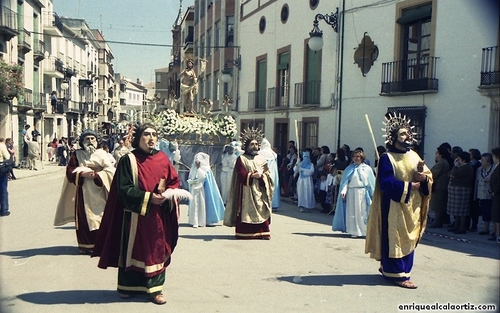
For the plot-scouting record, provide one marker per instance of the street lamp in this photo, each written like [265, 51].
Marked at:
[65, 84]
[316, 43]
[226, 75]
[316, 40]
[226, 72]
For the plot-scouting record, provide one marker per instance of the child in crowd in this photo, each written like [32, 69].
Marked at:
[323, 189]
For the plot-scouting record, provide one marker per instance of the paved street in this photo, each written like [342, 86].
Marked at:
[305, 267]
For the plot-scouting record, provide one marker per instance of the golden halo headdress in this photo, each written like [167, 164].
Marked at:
[393, 123]
[250, 134]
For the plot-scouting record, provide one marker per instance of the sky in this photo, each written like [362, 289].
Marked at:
[131, 21]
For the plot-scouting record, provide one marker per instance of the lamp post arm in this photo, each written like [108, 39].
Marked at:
[331, 19]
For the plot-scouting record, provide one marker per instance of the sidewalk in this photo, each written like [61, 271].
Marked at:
[43, 168]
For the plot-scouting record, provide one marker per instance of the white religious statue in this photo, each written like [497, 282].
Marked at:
[189, 84]
[227, 104]
[206, 107]
[172, 101]
[228, 161]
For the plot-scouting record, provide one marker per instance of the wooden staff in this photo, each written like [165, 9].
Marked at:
[373, 137]
[297, 136]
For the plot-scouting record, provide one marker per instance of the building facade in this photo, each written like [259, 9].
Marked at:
[376, 57]
[59, 57]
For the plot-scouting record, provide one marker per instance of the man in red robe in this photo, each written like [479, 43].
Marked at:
[85, 190]
[249, 203]
[140, 226]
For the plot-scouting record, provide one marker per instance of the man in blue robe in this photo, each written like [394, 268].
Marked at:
[398, 214]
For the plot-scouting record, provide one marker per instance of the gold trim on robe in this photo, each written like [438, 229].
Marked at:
[406, 220]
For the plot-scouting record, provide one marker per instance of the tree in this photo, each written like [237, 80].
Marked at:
[11, 81]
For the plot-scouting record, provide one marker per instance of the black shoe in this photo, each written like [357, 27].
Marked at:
[494, 238]
[483, 232]
[5, 213]
[459, 232]
[473, 229]
[452, 230]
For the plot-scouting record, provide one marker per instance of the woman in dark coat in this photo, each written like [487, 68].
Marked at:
[495, 192]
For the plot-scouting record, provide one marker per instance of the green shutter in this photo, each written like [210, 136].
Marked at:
[284, 60]
[415, 14]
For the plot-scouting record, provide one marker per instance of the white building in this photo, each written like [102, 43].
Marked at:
[422, 58]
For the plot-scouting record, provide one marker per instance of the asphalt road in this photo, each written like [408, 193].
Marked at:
[305, 267]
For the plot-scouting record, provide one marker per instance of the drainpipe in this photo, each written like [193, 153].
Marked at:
[341, 70]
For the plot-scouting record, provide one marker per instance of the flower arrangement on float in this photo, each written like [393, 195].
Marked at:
[173, 126]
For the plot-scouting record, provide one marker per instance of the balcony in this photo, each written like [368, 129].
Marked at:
[91, 108]
[257, 100]
[307, 93]
[39, 50]
[53, 67]
[69, 65]
[490, 67]
[8, 23]
[413, 76]
[111, 71]
[74, 107]
[38, 103]
[25, 101]
[23, 44]
[279, 100]
[61, 106]
[52, 24]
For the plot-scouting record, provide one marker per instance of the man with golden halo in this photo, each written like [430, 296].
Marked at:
[400, 202]
[249, 203]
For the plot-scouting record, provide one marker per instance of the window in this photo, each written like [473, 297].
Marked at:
[201, 84]
[309, 91]
[158, 78]
[229, 31]
[202, 46]
[209, 42]
[283, 79]
[262, 24]
[217, 35]
[416, 41]
[260, 97]
[309, 132]
[208, 86]
[190, 35]
[284, 13]
[257, 124]
[216, 94]
[203, 7]
[415, 66]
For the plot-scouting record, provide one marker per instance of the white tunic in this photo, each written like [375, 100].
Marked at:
[197, 216]
[305, 187]
[355, 214]
[228, 162]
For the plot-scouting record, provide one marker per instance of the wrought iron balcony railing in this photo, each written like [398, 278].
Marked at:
[28, 98]
[8, 22]
[308, 93]
[257, 100]
[409, 76]
[490, 66]
[278, 97]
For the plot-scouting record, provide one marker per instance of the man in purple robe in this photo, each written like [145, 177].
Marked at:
[398, 214]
